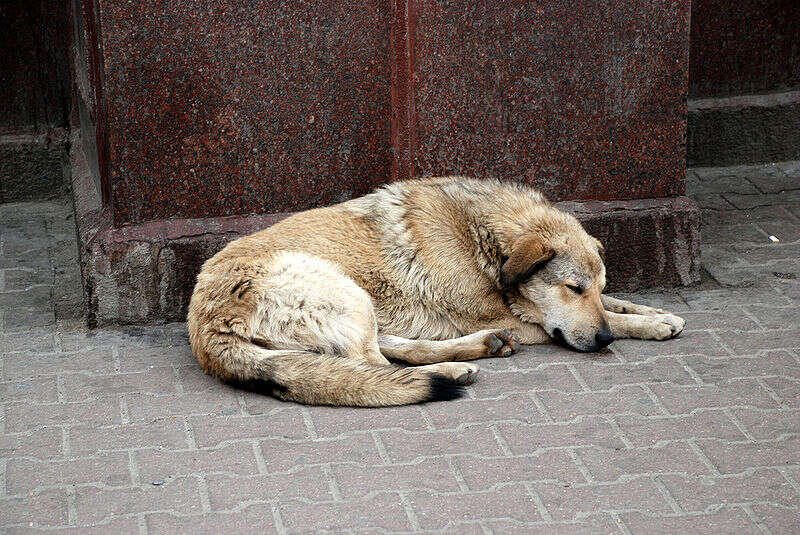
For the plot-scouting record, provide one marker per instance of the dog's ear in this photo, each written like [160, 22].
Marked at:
[528, 255]
[601, 250]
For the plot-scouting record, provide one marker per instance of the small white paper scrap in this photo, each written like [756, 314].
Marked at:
[774, 239]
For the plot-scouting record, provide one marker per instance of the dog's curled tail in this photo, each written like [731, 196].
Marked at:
[319, 379]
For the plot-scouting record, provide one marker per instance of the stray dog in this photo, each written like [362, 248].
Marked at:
[429, 272]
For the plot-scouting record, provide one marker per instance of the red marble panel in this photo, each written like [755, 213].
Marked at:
[227, 107]
[743, 47]
[585, 100]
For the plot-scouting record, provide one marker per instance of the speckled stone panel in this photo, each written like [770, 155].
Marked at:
[235, 107]
[743, 47]
[584, 100]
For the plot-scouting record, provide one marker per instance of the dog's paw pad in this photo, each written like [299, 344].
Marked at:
[502, 343]
[668, 326]
[468, 377]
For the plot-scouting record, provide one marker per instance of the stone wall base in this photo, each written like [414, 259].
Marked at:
[33, 166]
[743, 129]
[145, 273]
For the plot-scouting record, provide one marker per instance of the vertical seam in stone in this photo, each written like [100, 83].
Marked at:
[654, 399]
[543, 512]
[133, 469]
[541, 406]
[620, 524]
[260, 463]
[587, 475]
[333, 487]
[202, 488]
[403, 134]
[501, 441]
[756, 520]
[619, 432]
[381, 448]
[412, 516]
[732, 417]
[276, 517]
[674, 505]
[578, 378]
[703, 458]
[309, 423]
[462, 484]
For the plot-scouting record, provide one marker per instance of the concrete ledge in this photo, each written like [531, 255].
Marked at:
[744, 129]
[33, 165]
[145, 273]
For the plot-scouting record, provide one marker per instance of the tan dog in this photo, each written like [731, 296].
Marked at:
[431, 273]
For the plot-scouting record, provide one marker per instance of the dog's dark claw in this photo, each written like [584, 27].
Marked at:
[494, 344]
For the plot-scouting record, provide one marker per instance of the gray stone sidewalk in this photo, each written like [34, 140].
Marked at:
[118, 431]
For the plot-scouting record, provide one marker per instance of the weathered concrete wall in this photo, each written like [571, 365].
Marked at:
[34, 99]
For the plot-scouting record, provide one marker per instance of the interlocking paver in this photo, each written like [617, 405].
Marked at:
[437, 511]
[253, 519]
[732, 458]
[356, 480]
[228, 492]
[25, 475]
[120, 431]
[480, 473]
[567, 502]
[180, 495]
[702, 492]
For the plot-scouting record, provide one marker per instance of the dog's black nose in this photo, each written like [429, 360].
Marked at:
[603, 338]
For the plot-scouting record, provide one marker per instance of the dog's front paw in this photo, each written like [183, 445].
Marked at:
[663, 327]
[501, 343]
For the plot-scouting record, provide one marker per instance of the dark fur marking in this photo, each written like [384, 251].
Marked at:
[259, 386]
[444, 389]
[237, 286]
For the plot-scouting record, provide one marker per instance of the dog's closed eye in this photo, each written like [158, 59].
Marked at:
[577, 289]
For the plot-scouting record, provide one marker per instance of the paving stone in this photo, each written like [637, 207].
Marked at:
[356, 480]
[141, 359]
[156, 465]
[406, 446]
[39, 390]
[253, 519]
[770, 363]
[381, 511]
[481, 473]
[787, 390]
[621, 400]
[740, 393]
[765, 425]
[213, 430]
[733, 520]
[728, 320]
[229, 491]
[598, 524]
[280, 455]
[25, 475]
[48, 508]
[610, 464]
[701, 492]
[546, 378]
[149, 407]
[744, 202]
[649, 431]
[163, 434]
[43, 443]
[656, 370]
[115, 525]
[97, 504]
[26, 416]
[586, 431]
[333, 421]
[24, 364]
[778, 519]
[82, 387]
[689, 343]
[733, 458]
[569, 502]
[512, 407]
[775, 317]
[437, 511]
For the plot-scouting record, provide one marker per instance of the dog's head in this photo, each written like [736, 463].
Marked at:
[556, 275]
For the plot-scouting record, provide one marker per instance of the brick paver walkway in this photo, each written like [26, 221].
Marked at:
[120, 430]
